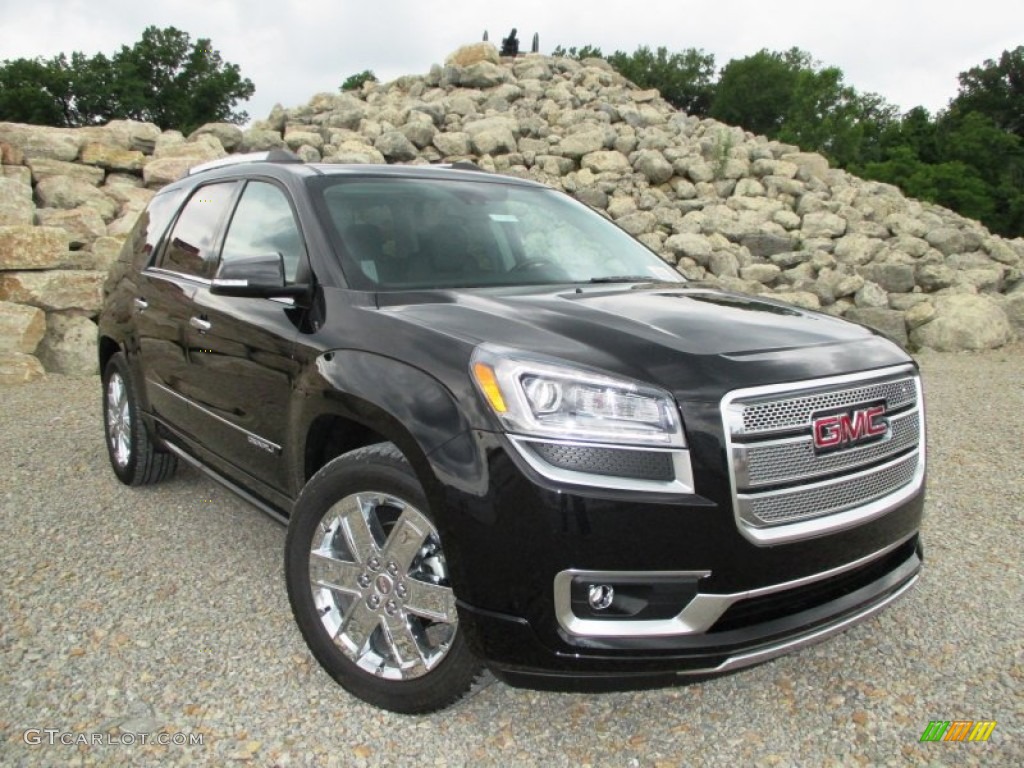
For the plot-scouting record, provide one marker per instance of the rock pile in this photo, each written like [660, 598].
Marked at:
[720, 204]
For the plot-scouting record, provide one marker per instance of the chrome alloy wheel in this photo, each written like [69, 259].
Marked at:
[380, 586]
[119, 420]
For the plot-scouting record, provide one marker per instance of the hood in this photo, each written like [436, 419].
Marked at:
[686, 338]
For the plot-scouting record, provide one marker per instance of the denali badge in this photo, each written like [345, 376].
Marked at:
[849, 427]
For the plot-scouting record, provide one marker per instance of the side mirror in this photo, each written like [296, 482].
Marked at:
[255, 277]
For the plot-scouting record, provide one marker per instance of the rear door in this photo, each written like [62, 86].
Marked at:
[164, 302]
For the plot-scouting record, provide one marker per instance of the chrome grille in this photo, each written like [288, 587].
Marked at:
[795, 412]
[830, 498]
[783, 489]
[795, 459]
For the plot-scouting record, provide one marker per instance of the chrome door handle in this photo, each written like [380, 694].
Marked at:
[141, 304]
[199, 324]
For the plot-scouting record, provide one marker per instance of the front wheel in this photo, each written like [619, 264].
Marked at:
[368, 584]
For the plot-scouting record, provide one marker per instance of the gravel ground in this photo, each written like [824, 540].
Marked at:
[163, 610]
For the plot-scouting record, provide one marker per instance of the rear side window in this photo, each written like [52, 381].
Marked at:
[263, 224]
[150, 227]
[191, 247]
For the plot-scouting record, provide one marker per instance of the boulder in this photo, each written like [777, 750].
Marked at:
[16, 206]
[889, 322]
[492, 135]
[964, 321]
[26, 247]
[19, 368]
[395, 147]
[606, 162]
[158, 173]
[54, 290]
[228, 134]
[652, 164]
[39, 141]
[590, 139]
[454, 143]
[21, 328]
[69, 345]
[82, 225]
[62, 192]
[111, 157]
[44, 168]
[472, 54]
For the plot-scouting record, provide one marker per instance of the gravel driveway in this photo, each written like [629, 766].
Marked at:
[163, 611]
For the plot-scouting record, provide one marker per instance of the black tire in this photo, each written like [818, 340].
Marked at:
[390, 607]
[133, 457]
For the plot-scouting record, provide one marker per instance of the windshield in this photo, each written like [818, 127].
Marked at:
[401, 233]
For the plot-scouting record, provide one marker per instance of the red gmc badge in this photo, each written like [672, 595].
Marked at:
[849, 427]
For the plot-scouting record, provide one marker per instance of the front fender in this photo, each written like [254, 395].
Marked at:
[414, 410]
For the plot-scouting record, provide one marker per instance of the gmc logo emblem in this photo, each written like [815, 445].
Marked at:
[846, 428]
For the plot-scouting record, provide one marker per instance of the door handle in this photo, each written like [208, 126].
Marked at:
[141, 304]
[199, 324]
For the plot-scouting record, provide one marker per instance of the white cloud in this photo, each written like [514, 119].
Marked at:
[909, 52]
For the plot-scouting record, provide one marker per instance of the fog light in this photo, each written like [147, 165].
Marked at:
[600, 596]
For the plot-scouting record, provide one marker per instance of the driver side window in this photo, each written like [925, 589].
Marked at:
[263, 224]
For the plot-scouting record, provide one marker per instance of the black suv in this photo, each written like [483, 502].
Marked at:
[505, 434]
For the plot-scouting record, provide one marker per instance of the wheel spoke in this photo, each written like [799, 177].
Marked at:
[405, 646]
[357, 626]
[357, 530]
[430, 601]
[408, 535]
[326, 571]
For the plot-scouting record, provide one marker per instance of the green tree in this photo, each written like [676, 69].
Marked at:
[685, 79]
[355, 82]
[584, 52]
[164, 78]
[996, 90]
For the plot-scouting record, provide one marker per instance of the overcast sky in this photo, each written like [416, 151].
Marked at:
[908, 51]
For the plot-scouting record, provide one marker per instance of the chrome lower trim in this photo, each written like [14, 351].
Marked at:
[682, 483]
[697, 617]
[741, 660]
[261, 505]
[251, 437]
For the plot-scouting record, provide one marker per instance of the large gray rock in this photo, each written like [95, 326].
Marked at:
[19, 368]
[583, 142]
[82, 225]
[16, 206]
[886, 321]
[44, 168]
[608, 161]
[111, 157]
[21, 328]
[62, 192]
[69, 345]
[452, 144]
[26, 247]
[962, 322]
[39, 141]
[395, 147]
[492, 135]
[763, 245]
[228, 134]
[652, 164]
[54, 290]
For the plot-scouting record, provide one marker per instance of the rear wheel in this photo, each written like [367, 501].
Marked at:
[133, 457]
[369, 587]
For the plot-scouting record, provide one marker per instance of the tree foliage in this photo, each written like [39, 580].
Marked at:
[164, 78]
[355, 82]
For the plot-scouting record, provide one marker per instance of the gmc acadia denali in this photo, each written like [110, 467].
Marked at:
[505, 434]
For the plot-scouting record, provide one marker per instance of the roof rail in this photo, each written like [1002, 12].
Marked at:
[271, 156]
[465, 165]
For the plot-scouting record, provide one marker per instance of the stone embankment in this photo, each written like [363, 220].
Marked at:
[720, 204]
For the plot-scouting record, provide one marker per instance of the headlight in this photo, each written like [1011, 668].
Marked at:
[538, 398]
